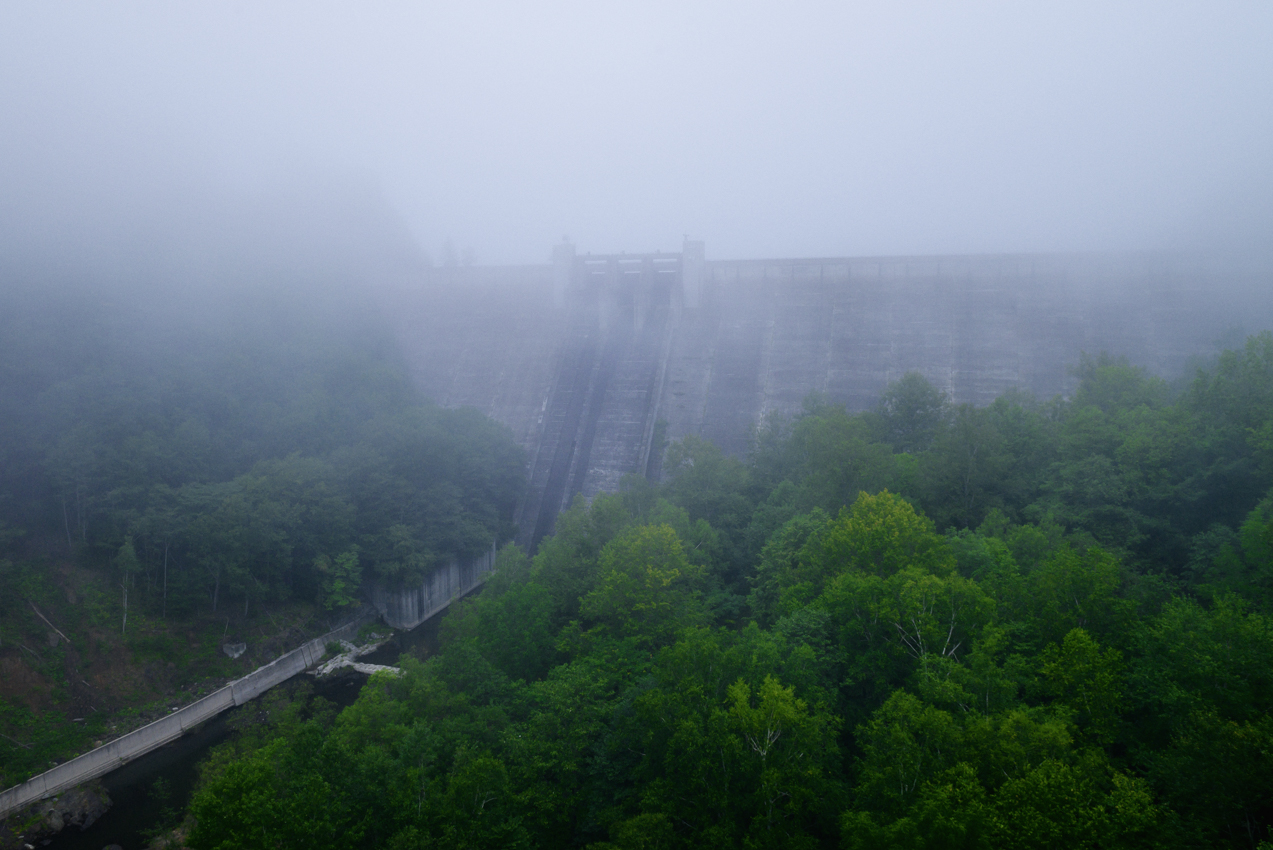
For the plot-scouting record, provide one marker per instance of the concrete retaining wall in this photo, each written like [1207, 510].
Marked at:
[125, 748]
[411, 606]
[403, 609]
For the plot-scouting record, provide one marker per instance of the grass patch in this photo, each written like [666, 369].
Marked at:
[31, 741]
[372, 631]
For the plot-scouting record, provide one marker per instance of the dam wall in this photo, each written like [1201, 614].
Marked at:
[769, 333]
[125, 748]
[588, 357]
[489, 338]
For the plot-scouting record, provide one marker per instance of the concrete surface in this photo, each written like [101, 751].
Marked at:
[125, 748]
[582, 357]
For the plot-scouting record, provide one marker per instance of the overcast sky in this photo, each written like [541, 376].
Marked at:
[768, 130]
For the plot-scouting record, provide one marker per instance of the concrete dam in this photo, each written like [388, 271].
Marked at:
[593, 360]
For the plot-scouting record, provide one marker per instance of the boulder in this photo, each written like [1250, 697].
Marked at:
[81, 806]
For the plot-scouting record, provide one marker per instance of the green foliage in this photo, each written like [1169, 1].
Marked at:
[513, 622]
[836, 456]
[646, 588]
[1238, 562]
[126, 560]
[910, 413]
[882, 534]
[30, 739]
[339, 578]
[1076, 590]
[1087, 679]
[1026, 625]
[159, 799]
[878, 536]
[239, 450]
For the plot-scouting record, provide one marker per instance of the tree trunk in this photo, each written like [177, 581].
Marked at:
[164, 609]
[66, 523]
[79, 514]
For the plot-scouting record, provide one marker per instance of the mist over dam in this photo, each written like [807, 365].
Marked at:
[595, 360]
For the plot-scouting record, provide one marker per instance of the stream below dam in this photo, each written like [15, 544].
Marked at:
[137, 809]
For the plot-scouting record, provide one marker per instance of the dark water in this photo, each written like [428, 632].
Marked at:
[137, 804]
[420, 642]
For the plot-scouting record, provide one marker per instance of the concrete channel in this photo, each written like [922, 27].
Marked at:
[404, 609]
[104, 759]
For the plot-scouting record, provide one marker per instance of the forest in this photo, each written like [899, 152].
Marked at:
[243, 243]
[182, 467]
[1036, 624]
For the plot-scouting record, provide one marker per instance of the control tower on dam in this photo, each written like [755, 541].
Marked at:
[594, 360]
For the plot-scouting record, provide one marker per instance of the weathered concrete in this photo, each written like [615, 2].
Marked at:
[769, 333]
[409, 607]
[599, 413]
[582, 357]
[485, 338]
[125, 748]
[348, 660]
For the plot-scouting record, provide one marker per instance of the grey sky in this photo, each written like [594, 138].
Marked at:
[765, 129]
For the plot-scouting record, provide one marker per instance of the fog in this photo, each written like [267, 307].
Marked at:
[827, 129]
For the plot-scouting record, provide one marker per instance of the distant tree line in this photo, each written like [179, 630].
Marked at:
[213, 448]
[1028, 625]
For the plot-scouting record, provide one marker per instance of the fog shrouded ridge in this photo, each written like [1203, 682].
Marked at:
[820, 130]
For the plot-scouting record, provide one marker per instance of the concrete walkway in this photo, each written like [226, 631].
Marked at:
[403, 609]
[125, 748]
